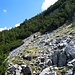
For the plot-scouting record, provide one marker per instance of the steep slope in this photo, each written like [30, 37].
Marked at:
[54, 17]
[54, 52]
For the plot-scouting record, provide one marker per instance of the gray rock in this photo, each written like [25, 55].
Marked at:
[72, 61]
[69, 65]
[42, 59]
[55, 58]
[69, 72]
[41, 65]
[58, 40]
[48, 62]
[26, 71]
[51, 73]
[11, 70]
[59, 59]
[17, 72]
[70, 52]
[29, 58]
[62, 60]
[47, 71]
[73, 69]
[61, 45]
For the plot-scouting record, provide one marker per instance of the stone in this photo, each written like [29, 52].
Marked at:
[26, 70]
[69, 72]
[73, 69]
[35, 36]
[18, 71]
[69, 65]
[34, 73]
[41, 65]
[59, 59]
[11, 70]
[58, 40]
[29, 58]
[47, 71]
[70, 52]
[15, 65]
[73, 65]
[23, 66]
[62, 60]
[20, 68]
[43, 41]
[48, 62]
[55, 47]
[47, 43]
[72, 61]
[44, 71]
[55, 58]
[56, 68]
[42, 59]
[38, 61]
[51, 73]
[61, 45]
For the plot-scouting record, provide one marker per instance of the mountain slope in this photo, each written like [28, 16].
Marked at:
[55, 16]
[53, 51]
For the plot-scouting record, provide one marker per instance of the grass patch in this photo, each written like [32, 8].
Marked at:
[30, 51]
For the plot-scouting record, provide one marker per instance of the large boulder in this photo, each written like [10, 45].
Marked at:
[59, 59]
[62, 59]
[70, 52]
[55, 57]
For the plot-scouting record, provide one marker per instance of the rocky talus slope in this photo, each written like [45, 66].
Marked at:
[48, 54]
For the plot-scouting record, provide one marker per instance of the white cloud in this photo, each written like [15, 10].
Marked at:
[17, 25]
[47, 3]
[5, 28]
[4, 10]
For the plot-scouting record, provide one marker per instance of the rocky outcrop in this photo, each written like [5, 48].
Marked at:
[62, 60]
[70, 52]
[45, 53]
[59, 59]
[18, 70]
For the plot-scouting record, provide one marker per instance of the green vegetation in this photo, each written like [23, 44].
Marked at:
[16, 60]
[31, 51]
[52, 18]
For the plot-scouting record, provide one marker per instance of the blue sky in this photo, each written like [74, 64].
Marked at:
[14, 12]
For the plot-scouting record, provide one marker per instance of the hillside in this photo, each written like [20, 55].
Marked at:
[50, 53]
[55, 16]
